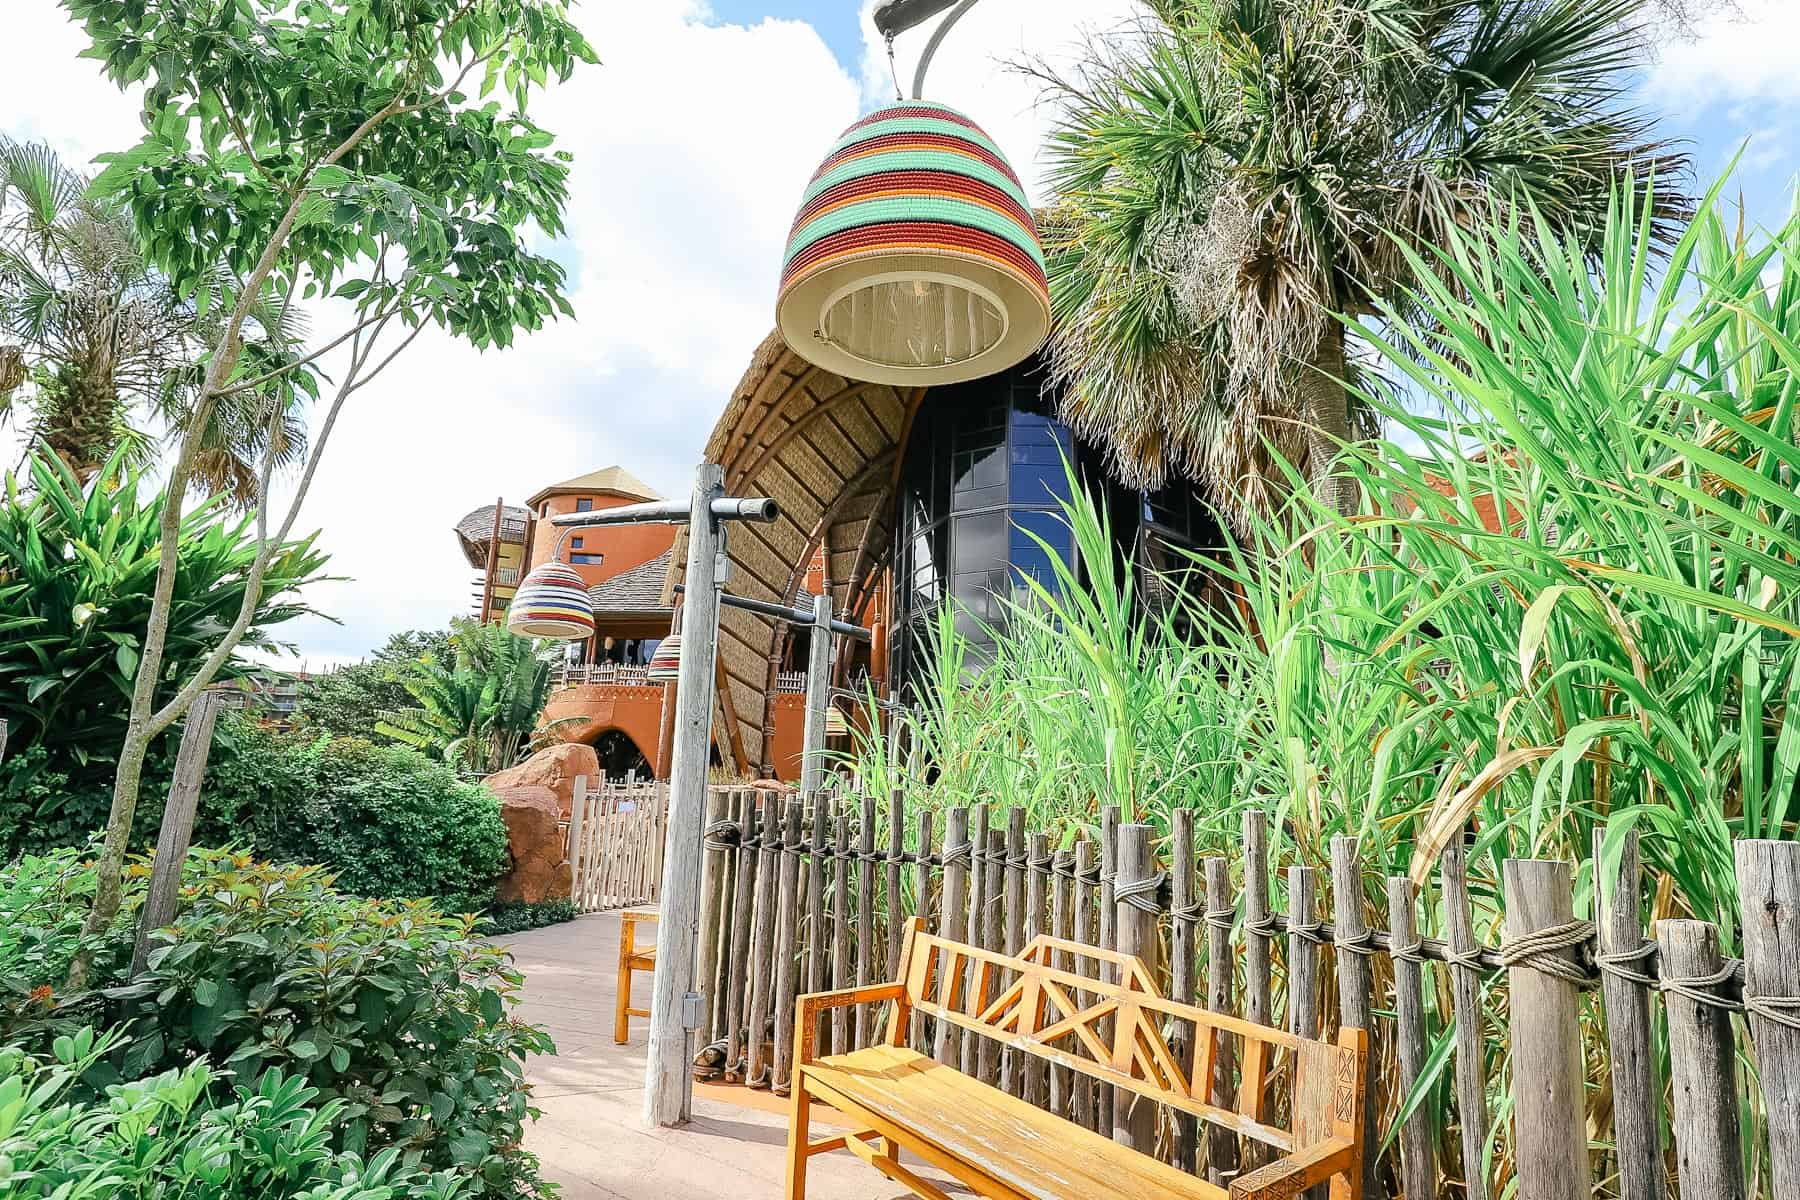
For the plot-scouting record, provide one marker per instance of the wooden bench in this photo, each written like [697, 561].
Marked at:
[632, 957]
[1003, 1148]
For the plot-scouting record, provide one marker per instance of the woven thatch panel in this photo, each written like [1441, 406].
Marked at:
[827, 450]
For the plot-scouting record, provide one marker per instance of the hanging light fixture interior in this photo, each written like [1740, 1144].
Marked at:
[914, 258]
[665, 661]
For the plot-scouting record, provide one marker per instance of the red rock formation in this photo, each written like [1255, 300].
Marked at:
[554, 767]
[535, 840]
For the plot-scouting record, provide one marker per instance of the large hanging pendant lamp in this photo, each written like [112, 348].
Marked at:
[552, 602]
[665, 661]
[914, 259]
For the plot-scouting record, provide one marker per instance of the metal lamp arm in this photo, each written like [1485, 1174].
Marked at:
[931, 47]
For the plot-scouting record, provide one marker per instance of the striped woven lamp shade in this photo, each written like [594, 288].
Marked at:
[836, 724]
[552, 602]
[665, 662]
[914, 259]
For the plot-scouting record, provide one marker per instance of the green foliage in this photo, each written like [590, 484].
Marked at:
[349, 701]
[85, 561]
[397, 1015]
[386, 821]
[174, 1134]
[477, 712]
[520, 916]
[1235, 177]
[344, 129]
[1568, 607]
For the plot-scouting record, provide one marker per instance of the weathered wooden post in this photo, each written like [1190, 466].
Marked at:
[718, 838]
[762, 947]
[1418, 1145]
[865, 918]
[1184, 903]
[818, 694]
[1356, 986]
[1768, 875]
[1258, 936]
[1222, 1153]
[1637, 1092]
[787, 927]
[1465, 993]
[1549, 1117]
[953, 922]
[922, 906]
[743, 916]
[1135, 884]
[177, 824]
[1701, 1062]
[668, 1081]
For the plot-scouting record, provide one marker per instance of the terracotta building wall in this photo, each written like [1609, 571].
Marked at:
[623, 546]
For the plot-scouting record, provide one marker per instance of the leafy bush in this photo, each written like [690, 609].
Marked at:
[519, 916]
[398, 1015]
[477, 710]
[386, 820]
[82, 565]
[172, 1134]
[349, 701]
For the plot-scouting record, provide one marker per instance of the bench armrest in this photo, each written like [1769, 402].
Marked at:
[808, 1007]
[1298, 1171]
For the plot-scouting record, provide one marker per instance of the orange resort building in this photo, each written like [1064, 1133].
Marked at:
[893, 499]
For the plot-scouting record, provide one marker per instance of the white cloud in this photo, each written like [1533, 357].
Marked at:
[1747, 54]
[692, 144]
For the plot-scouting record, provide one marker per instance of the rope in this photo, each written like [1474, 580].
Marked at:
[1063, 864]
[1091, 875]
[1263, 927]
[1308, 931]
[1699, 988]
[1221, 918]
[1413, 951]
[723, 835]
[1544, 949]
[1186, 912]
[1039, 863]
[1782, 1010]
[1141, 893]
[1363, 944]
[1017, 862]
[959, 855]
[1469, 960]
[1620, 964]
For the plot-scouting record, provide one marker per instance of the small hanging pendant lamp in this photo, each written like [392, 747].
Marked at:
[914, 259]
[552, 602]
[665, 662]
[836, 725]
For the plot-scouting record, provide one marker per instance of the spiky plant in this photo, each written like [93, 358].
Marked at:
[478, 711]
[1235, 174]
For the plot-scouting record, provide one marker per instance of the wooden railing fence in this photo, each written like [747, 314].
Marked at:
[615, 846]
[806, 893]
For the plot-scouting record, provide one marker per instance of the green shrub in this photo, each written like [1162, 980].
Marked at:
[174, 1135]
[519, 916]
[398, 1015]
[386, 820]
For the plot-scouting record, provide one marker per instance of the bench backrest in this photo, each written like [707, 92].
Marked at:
[1099, 1012]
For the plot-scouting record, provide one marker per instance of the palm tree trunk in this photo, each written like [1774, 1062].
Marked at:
[1325, 407]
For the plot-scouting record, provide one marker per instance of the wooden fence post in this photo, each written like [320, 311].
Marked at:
[743, 916]
[1222, 1154]
[865, 916]
[1086, 1091]
[1062, 925]
[814, 963]
[1135, 887]
[1184, 905]
[1465, 994]
[1768, 875]
[716, 840]
[1012, 1080]
[840, 927]
[1109, 866]
[1418, 1144]
[987, 1060]
[1701, 1062]
[1637, 1092]
[575, 851]
[1303, 951]
[787, 924]
[762, 950]
[954, 921]
[177, 825]
[1037, 889]
[1549, 1117]
[922, 907]
[1356, 987]
[895, 867]
[1258, 933]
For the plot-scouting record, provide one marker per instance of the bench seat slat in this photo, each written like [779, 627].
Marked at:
[1014, 1143]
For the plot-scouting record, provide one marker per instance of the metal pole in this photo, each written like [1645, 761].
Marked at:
[818, 695]
[668, 1076]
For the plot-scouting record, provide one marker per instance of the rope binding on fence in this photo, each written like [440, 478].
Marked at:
[1546, 950]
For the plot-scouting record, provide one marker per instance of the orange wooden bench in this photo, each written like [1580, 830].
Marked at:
[1003, 1148]
[632, 957]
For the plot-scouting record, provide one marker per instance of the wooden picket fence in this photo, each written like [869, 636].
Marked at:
[802, 894]
[615, 847]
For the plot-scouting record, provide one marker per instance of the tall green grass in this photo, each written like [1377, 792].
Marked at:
[1569, 603]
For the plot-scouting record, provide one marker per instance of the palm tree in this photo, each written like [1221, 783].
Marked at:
[477, 712]
[98, 348]
[1238, 180]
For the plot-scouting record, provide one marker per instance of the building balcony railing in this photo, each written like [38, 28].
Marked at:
[569, 675]
[791, 681]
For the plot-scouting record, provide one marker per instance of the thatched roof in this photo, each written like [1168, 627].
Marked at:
[474, 531]
[634, 593]
[614, 480]
[827, 449]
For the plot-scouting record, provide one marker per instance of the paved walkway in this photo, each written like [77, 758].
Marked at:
[592, 1137]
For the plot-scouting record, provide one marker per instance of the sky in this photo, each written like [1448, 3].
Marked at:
[692, 141]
